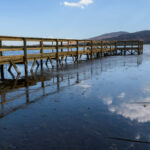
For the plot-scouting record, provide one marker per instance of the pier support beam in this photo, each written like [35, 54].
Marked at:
[1, 66]
[35, 62]
[57, 53]
[15, 67]
[25, 57]
[91, 50]
[41, 51]
[77, 58]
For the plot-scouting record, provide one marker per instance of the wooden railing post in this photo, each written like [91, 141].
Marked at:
[25, 55]
[77, 42]
[101, 48]
[91, 49]
[41, 45]
[57, 53]
[125, 46]
[1, 66]
[41, 51]
[110, 48]
[116, 47]
[61, 46]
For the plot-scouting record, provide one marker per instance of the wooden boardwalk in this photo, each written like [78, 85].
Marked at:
[59, 50]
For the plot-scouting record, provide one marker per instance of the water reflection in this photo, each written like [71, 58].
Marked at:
[91, 105]
[17, 93]
[133, 111]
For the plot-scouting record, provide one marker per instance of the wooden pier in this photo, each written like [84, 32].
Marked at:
[58, 50]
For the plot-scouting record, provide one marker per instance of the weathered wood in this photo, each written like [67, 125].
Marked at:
[41, 45]
[33, 64]
[15, 67]
[77, 42]
[91, 49]
[1, 66]
[83, 47]
[57, 53]
[25, 56]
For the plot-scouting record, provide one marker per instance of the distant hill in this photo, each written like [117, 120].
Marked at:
[141, 35]
[109, 35]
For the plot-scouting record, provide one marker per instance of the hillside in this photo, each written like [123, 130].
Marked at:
[109, 35]
[141, 35]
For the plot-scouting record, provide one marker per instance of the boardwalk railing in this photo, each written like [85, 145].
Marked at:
[59, 50]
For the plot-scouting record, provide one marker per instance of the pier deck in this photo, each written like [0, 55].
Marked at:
[59, 50]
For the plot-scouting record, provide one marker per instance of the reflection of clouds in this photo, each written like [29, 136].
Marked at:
[137, 137]
[107, 100]
[122, 95]
[84, 86]
[132, 111]
[138, 109]
[146, 89]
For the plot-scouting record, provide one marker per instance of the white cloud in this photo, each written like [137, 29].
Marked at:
[81, 3]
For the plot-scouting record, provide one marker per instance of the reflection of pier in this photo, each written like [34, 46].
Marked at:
[59, 50]
[16, 94]
[19, 88]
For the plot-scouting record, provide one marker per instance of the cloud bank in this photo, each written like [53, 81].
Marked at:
[80, 4]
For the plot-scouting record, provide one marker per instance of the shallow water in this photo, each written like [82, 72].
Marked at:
[99, 104]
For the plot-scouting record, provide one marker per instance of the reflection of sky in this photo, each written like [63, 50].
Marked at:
[126, 92]
[132, 111]
[138, 109]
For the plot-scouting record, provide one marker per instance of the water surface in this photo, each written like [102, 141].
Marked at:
[99, 104]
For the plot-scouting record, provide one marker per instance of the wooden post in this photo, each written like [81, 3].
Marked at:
[101, 48]
[110, 48]
[125, 45]
[77, 42]
[91, 49]
[57, 53]
[41, 51]
[61, 46]
[116, 46]
[62, 57]
[1, 66]
[41, 45]
[68, 45]
[25, 56]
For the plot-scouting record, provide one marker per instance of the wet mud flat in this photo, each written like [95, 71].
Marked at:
[98, 104]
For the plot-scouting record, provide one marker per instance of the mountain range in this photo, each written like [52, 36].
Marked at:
[125, 36]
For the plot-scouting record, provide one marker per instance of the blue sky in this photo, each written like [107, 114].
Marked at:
[71, 18]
